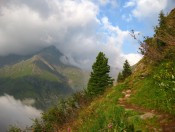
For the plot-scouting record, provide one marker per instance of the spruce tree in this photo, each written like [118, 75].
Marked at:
[126, 69]
[161, 20]
[160, 30]
[120, 77]
[162, 23]
[99, 78]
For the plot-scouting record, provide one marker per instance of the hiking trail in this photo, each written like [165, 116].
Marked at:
[165, 120]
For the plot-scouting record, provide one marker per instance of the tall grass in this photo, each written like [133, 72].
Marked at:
[105, 115]
[157, 90]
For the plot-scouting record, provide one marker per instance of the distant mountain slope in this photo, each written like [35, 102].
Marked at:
[41, 76]
[12, 59]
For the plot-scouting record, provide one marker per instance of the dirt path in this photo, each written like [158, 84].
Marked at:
[166, 121]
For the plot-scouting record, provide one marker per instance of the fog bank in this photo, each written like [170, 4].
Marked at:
[14, 112]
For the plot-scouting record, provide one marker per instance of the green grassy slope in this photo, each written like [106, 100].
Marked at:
[149, 97]
[105, 114]
[155, 89]
[153, 93]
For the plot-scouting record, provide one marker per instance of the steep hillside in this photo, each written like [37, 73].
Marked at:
[145, 101]
[42, 77]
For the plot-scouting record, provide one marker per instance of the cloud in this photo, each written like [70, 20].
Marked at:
[23, 30]
[41, 6]
[14, 112]
[114, 37]
[150, 9]
[114, 31]
[130, 3]
[147, 12]
[20, 31]
[133, 58]
[113, 3]
[127, 18]
[73, 26]
[76, 27]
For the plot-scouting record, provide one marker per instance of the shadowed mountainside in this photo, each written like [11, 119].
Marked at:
[41, 76]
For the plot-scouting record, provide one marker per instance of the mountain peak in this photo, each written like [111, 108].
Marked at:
[51, 54]
[51, 49]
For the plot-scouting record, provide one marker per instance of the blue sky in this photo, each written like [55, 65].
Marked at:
[79, 28]
[121, 14]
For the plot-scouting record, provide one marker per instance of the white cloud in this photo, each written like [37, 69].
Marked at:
[13, 112]
[23, 30]
[114, 42]
[113, 3]
[133, 58]
[72, 26]
[127, 18]
[147, 11]
[148, 8]
[130, 3]
[115, 31]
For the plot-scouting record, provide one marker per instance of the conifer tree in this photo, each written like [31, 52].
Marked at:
[161, 20]
[120, 77]
[160, 30]
[126, 69]
[99, 78]
[162, 23]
